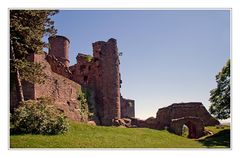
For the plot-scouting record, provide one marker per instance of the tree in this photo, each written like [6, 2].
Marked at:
[27, 28]
[220, 96]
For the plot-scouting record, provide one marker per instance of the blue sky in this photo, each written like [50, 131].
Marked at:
[168, 55]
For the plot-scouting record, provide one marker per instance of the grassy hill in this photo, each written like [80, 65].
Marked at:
[87, 136]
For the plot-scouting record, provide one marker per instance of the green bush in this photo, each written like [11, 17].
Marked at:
[88, 58]
[38, 117]
[83, 105]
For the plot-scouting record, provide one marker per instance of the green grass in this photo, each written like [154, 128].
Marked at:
[221, 137]
[87, 136]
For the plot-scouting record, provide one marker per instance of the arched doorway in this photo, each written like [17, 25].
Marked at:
[191, 129]
[185, 131]
[193, 124]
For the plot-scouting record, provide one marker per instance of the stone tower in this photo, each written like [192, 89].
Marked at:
[59, 47]
[107, 80]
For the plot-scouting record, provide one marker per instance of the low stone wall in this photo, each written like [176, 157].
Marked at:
[62, 90]
[127, 108]
[195, 126]
[179, 110]
[150, 122]
[194, 115]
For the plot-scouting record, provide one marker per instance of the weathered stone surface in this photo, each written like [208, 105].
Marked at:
[122, 122]
[107, 80]
[99, 72]
[118, 122]
[179, 110]
[127, 107]
[195, 126]
[135, 121]
[59, 47]
[60, 89]
[127, 120]
[28, 90]
[151, 122]
[58, 67]
[84, 71]
[193, 115]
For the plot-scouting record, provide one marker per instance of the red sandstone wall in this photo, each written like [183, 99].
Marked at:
[61, 89]
[28, 90]
[175, 111]
[59, 47]
[107, 80]
[84, 71]
[58, 67]
[127, 108]
[101, 74]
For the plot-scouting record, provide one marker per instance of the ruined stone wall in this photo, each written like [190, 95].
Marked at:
[83, 72]
[99, 73]
[62, 90]
[28, 90]
[58, 67]
[59, 47]
[107, 80]
[127, 108]
[57, 87]
[179, 110]
[194, 124]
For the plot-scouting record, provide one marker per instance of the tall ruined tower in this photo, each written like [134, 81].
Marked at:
[107, 80]
[59, 47]
[98, 75]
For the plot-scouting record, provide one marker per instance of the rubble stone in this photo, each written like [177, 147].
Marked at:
[179, 110]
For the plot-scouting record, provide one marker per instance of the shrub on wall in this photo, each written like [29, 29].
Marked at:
[90, 102]
[88, 58]
[38, 117]
[83, 105]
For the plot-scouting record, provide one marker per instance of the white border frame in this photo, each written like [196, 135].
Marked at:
[120, 4]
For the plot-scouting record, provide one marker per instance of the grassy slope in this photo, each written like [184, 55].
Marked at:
[221, 137]
[86, 136]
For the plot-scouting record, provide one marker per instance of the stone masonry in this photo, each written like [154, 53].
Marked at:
[194, 124]
[179, 110]
[127, 108]
[61, 90]
[59, 47]
[99, 73]
[193, 114]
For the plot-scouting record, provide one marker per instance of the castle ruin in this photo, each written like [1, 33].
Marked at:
[99, 73]
[192, 114]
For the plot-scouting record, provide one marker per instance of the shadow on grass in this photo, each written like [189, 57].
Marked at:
[221, 138]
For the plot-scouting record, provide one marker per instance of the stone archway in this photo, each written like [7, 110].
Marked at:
[194, 124]
[191, 129]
